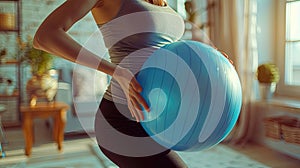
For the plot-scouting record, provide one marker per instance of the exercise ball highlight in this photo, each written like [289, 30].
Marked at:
[194, 94]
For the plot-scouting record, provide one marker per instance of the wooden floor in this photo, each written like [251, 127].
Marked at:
[267, 156]
[256, 152]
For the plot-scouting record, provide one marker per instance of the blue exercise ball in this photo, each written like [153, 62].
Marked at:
[194, 94]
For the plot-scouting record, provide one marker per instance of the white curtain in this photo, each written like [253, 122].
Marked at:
[233, 30]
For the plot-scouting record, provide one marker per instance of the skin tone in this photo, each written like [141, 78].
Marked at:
[51, 37]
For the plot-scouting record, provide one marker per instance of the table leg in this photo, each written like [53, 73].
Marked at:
[61, 119]
[28, 134]
[55, 127]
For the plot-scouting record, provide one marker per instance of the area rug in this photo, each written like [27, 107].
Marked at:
[76, 154]
[219, 156]
[85, 153]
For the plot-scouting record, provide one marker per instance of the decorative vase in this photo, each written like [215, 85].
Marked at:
[267, 90]
[40, 88]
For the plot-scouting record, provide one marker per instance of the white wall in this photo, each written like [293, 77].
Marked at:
[266, 17]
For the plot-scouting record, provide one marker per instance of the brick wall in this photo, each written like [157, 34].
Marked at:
[33, 13]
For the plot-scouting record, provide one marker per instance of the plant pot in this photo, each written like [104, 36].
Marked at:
[42, 88]
[7, 21]
[267, 90]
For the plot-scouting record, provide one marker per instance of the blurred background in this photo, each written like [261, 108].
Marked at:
[251, 32]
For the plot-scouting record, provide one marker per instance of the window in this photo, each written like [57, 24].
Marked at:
[289, 47]
[177, 5]
[292, 43]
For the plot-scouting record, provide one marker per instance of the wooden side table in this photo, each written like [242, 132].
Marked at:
[57, 110]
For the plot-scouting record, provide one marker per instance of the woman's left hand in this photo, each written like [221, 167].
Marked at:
[132, 90]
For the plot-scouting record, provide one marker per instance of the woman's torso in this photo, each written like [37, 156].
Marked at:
[137, 29]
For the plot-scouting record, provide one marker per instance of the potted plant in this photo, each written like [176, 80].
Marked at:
[268, 77]
[42, 84]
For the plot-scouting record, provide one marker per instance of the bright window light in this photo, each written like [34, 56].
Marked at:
[292, 43]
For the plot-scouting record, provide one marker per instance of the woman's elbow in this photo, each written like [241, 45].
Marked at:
[36, 43]
[41, 37]
[44, 37]
[38, 40]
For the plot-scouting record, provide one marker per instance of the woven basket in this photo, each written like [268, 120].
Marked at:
[273, 126]
[291, 132]
[7, 21]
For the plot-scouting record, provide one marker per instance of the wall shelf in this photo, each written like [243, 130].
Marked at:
[14, 95]
[12, 115]
[9, 0]
[10, 62]
[270, 108]
[293, 106]
[284, 147]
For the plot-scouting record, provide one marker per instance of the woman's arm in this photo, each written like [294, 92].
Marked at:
[51, 36]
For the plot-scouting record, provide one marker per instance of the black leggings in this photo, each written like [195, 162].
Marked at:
[154, 155]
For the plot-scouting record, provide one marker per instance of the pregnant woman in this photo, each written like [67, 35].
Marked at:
[132, 30]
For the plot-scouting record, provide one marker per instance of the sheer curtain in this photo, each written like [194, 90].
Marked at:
[232, 26]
